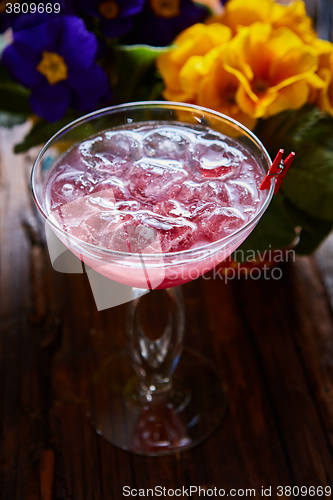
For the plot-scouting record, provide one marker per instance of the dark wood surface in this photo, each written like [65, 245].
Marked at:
[272, 341]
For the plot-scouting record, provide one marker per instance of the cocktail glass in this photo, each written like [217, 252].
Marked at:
[155, 398]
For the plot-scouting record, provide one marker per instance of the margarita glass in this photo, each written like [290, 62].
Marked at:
[152, 400]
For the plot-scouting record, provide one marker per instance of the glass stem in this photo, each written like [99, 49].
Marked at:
[155, 337]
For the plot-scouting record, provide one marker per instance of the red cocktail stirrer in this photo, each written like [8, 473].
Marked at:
[278, 170]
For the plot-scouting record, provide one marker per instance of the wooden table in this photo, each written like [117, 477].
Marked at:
[272, 341]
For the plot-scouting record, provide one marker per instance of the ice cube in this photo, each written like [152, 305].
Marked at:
[111, 151]
[216, 158]
[174, 208]
[202, 209]
[117, 185]
[113, 233]
[151, 180]
[174, 231]
[166, 143]
[72, 216]
[123, 145]
[179, 237]
[244, 193]
[130, 235]
[67, 184]
[192, 190]
[222, 222]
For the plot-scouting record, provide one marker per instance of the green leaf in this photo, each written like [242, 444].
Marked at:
[310, 239]
[134, 67]
[284, 225]
[13, 96]
[287, 127]
[309, 183]
[312, 230]
[275, 229]
[40, 132]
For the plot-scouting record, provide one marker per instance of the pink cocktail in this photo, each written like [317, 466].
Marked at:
[152, 195]
[155, 188]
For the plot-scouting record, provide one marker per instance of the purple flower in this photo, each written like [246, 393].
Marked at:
[116, 16]
[10, 19]
[162, 20]
[55, 58]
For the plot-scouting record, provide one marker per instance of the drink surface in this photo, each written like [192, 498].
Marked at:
[155, 187]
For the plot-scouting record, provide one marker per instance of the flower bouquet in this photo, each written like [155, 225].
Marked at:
[259, 62]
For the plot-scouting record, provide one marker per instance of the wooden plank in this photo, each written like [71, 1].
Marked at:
[324, 260]
[188, 467]
[314, 338]
[22, 435]
[246, 449]
[291, 331]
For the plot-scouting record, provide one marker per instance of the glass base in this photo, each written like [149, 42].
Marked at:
[173, 421]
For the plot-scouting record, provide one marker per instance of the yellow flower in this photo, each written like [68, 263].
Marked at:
[274, 62]
[239, 13]
[217, 88]
[323, 49]
[275, 69]
[325, 94]
[193, 71]
[175, 65]
[294, 17]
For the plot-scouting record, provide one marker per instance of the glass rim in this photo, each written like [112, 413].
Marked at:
[137, 105]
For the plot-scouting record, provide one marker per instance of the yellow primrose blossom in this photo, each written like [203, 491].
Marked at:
[217, 88]
[202, 79]
[294, 17]
[189, 46]
[325, 94]
[240, 13]
[275, 69]
[323, 49]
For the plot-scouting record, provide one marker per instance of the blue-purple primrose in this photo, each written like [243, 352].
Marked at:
[116, 16]
[162, 20]
[55, 58]
[10, 14]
